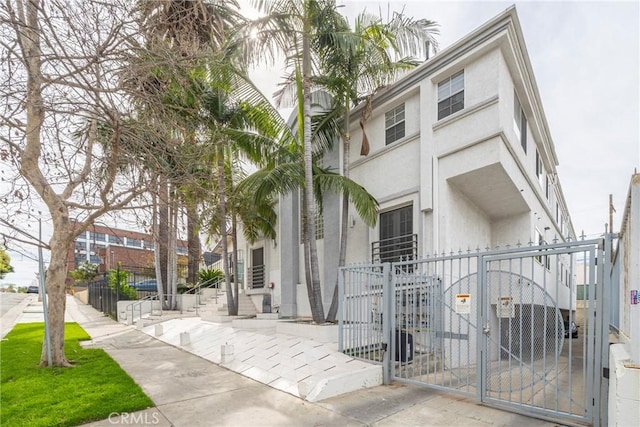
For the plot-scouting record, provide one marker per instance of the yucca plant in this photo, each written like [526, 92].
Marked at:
[210, 277]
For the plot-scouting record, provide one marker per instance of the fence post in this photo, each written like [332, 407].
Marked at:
[603, 296]
[341, 273]
[481, 300]
[387, 317]
[117, 282]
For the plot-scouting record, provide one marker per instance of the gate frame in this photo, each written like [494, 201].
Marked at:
[597, 354]
[596, 366]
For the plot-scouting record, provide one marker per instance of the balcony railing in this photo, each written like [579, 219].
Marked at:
[399, 248]
[256, 276]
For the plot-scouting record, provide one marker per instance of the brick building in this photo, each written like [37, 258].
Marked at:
[108, 246]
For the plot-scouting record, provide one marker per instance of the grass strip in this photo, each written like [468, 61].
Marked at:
[94, 387]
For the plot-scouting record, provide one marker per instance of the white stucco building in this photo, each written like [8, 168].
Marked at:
[460, 157]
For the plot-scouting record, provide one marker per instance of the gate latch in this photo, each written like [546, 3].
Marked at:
[486, 329]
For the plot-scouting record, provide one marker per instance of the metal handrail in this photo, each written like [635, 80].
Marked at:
[197, 291]
[139, 303]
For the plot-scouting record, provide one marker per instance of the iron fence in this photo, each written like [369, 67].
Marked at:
[493, 324]
[104, 298]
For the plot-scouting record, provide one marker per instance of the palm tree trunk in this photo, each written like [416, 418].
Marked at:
[222, 206]
[193, 243]
[315, 297]
[234, 239]
[172, 255]
[163, 233]
[344, 219]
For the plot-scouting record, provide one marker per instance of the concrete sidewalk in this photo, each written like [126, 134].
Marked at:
[191, 391]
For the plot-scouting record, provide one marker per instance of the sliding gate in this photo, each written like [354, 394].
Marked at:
[503, 326]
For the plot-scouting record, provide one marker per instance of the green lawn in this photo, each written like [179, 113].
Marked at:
[92, 389]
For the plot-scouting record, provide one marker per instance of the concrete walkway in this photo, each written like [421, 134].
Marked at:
[189, 390]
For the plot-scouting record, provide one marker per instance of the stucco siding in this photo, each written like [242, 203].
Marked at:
[395, 171]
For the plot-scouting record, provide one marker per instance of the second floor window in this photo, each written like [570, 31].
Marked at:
[97, 237]
[394, 124]
[451, 95]
[136, 243]
[520, 122]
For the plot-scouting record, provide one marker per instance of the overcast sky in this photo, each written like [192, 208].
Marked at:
[585, 58]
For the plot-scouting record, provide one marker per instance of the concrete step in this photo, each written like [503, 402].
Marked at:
[245, 307]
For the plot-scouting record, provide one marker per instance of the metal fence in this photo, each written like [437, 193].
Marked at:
[492, 324]
[102, 297]
[105, 298]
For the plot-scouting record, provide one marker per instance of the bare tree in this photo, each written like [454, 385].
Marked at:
[66, 134]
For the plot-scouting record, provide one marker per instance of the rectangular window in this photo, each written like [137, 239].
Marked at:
[451, 95]
[547, 192]
[539, 169]
[394, 124]
[519, 122]
[115, 239]
[542, 259]
[557, 213]
[136, 243]
[319, 225]
[97, 237]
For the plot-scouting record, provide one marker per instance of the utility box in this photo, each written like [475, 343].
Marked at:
[404, 346]
[266, 303]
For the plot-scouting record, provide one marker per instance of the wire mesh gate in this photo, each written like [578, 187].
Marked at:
[496, 325]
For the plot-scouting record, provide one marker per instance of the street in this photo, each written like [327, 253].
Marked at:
[9, 300]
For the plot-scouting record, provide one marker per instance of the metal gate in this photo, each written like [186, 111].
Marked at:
[497, 325]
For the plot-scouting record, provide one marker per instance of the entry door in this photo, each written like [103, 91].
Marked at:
[396, 234]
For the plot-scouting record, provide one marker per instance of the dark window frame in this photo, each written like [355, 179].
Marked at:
[396, 235]
[394, 124]
[451, 95]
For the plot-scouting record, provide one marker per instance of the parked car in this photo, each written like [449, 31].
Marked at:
[570, 329]
[150, 285]
[33, 290]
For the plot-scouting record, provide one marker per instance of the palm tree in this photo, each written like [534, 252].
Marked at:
[294, 27]
[349, 64]
[237, 118]
[354, 65]
[190, 30]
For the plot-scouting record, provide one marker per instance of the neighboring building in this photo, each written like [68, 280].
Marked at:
[107, 246]
[461, 157]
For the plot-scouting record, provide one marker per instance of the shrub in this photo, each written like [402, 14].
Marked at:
[120, 278]
[210, 277]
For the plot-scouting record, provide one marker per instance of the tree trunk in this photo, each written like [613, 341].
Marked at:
[56, 295]
[344, 226]
[234, 239]
[315, 297]
[222, 206]
[163, 233]
[172, 255]
[193, 243]
[157, 245]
